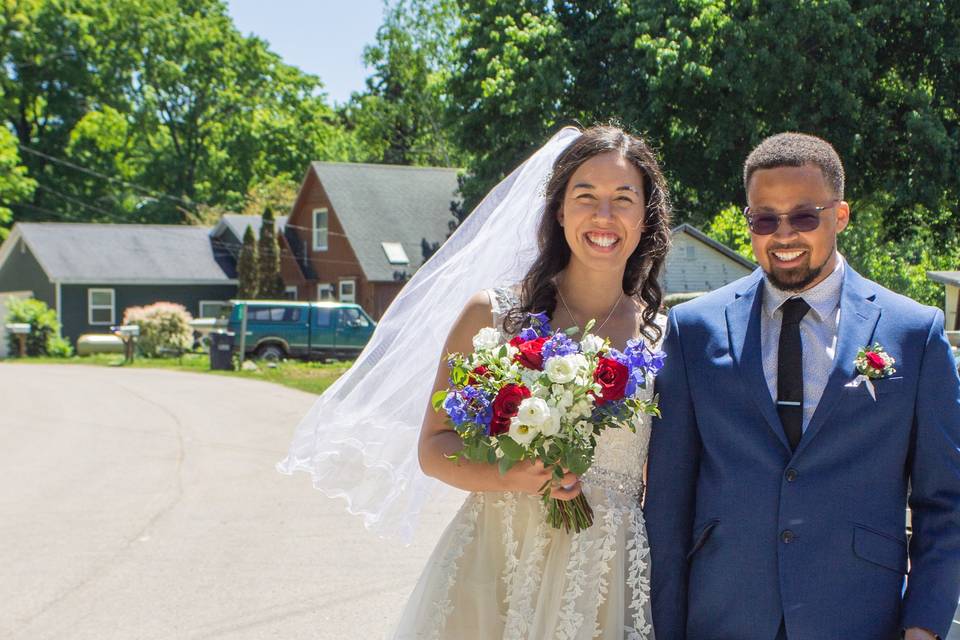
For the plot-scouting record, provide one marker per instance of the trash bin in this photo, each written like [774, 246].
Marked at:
[221, 351]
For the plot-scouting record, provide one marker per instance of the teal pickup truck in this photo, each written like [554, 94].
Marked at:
[278, 329]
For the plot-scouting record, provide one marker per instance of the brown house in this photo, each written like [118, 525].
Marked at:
[356, 231]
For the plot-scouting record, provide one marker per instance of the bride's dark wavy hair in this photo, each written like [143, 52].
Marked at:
[641, 279]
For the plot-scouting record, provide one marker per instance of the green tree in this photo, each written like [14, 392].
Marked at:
[508, 86]
[15, 184]
[269, 280]
[730, 227]
[400, 118]
[247, 267]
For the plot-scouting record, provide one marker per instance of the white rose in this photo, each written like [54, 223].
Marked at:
[534, 412]
[486, 339]
[561, 369]
[552, 426]
[522, 433]
[591, 344]
[529, 377]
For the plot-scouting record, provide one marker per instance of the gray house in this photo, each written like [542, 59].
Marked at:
[90, 273]
[697, 263]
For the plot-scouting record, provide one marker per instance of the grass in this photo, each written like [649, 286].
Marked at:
[312, 377]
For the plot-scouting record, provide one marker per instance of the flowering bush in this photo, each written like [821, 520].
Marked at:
[543, 396]
[163, 325]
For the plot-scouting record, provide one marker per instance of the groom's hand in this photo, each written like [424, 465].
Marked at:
[916, 633]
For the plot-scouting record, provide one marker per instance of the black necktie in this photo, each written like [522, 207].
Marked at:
[790, 370]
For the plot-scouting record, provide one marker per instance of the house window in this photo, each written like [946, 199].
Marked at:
[691, 252]
[324, 291]
[101, 306]
[212, 308]
[290, 293]
[320, 223]
[348, 291]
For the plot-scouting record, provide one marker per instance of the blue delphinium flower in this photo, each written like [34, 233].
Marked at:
[641, 360]
[528, 333]
[468, 405]
[540, 323]
[559, 345]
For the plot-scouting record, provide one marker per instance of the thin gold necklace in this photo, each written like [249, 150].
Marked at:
[598, 327]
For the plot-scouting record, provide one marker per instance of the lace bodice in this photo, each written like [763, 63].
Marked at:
[621, 453]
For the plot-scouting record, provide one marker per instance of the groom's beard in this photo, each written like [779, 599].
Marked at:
[796, 278]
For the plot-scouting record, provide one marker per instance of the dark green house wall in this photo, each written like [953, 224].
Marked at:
[75, 312]
[22, 272]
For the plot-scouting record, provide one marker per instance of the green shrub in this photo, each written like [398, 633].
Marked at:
[44, 338]
[163, 325]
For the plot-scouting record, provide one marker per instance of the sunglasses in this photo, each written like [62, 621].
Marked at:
[807, 219]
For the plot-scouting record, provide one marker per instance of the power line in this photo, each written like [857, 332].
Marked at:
[103, 176]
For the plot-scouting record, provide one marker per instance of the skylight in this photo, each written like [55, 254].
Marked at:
[395, 253]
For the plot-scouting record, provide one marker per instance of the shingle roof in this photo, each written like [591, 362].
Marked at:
[123, 253]
[378, 203]
[238, 224]
[719, 246]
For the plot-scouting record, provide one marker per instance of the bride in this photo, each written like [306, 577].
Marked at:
[588, 245]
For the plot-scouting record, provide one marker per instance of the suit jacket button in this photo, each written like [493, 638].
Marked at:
[788, 536]
[791, 475]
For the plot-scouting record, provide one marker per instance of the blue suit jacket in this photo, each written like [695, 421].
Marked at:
[745, 533]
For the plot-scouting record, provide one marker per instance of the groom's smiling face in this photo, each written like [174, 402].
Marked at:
[796, 260]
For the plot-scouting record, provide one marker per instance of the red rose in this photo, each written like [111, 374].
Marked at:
[612, 377]
[477, 371]
[530, 354]
[516, 341]
[875, 360]
[505, 406]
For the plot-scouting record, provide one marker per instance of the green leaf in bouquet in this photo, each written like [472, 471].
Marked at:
[578, 461]
[511, 448]
[589, 326]
[571, 331]
[503, 352]
[437, 399]
[459, 376]
[505, 464]
[491, 455]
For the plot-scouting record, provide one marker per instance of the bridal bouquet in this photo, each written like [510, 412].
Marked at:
[544, 396]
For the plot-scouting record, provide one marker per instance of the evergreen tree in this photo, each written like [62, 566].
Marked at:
[269, 282]
[247, 267]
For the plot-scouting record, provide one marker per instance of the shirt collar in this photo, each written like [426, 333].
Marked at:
[822, 298]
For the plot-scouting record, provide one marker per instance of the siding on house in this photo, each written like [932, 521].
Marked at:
[338, 261]
[951, 319]
[22, 272]
[694, 266]
[75, 311]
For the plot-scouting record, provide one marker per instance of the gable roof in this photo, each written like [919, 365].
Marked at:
[237, 223]
[81, 253]
[719, 246]
[379, 203]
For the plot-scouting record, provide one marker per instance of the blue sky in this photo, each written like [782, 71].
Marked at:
[322, 37]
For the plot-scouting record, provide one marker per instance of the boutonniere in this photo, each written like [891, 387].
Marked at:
[872, 363]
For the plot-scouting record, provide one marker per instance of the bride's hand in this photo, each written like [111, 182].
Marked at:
[530, 477]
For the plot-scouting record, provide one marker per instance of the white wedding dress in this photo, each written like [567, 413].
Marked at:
[500, 571]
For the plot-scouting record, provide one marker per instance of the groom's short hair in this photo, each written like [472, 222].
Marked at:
[795, 150]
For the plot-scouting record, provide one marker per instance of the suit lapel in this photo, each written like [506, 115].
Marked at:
[743, 327]
[858, 320]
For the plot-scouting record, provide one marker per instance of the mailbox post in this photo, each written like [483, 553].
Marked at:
[21, 330]
[128, 333]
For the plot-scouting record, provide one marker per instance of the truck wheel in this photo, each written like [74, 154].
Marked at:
[271, 353]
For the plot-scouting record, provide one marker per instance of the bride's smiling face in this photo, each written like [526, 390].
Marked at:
[603, 211]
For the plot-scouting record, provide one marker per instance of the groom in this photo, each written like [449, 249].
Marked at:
[781, 469]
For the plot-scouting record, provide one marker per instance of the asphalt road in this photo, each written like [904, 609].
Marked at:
[140, 504]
